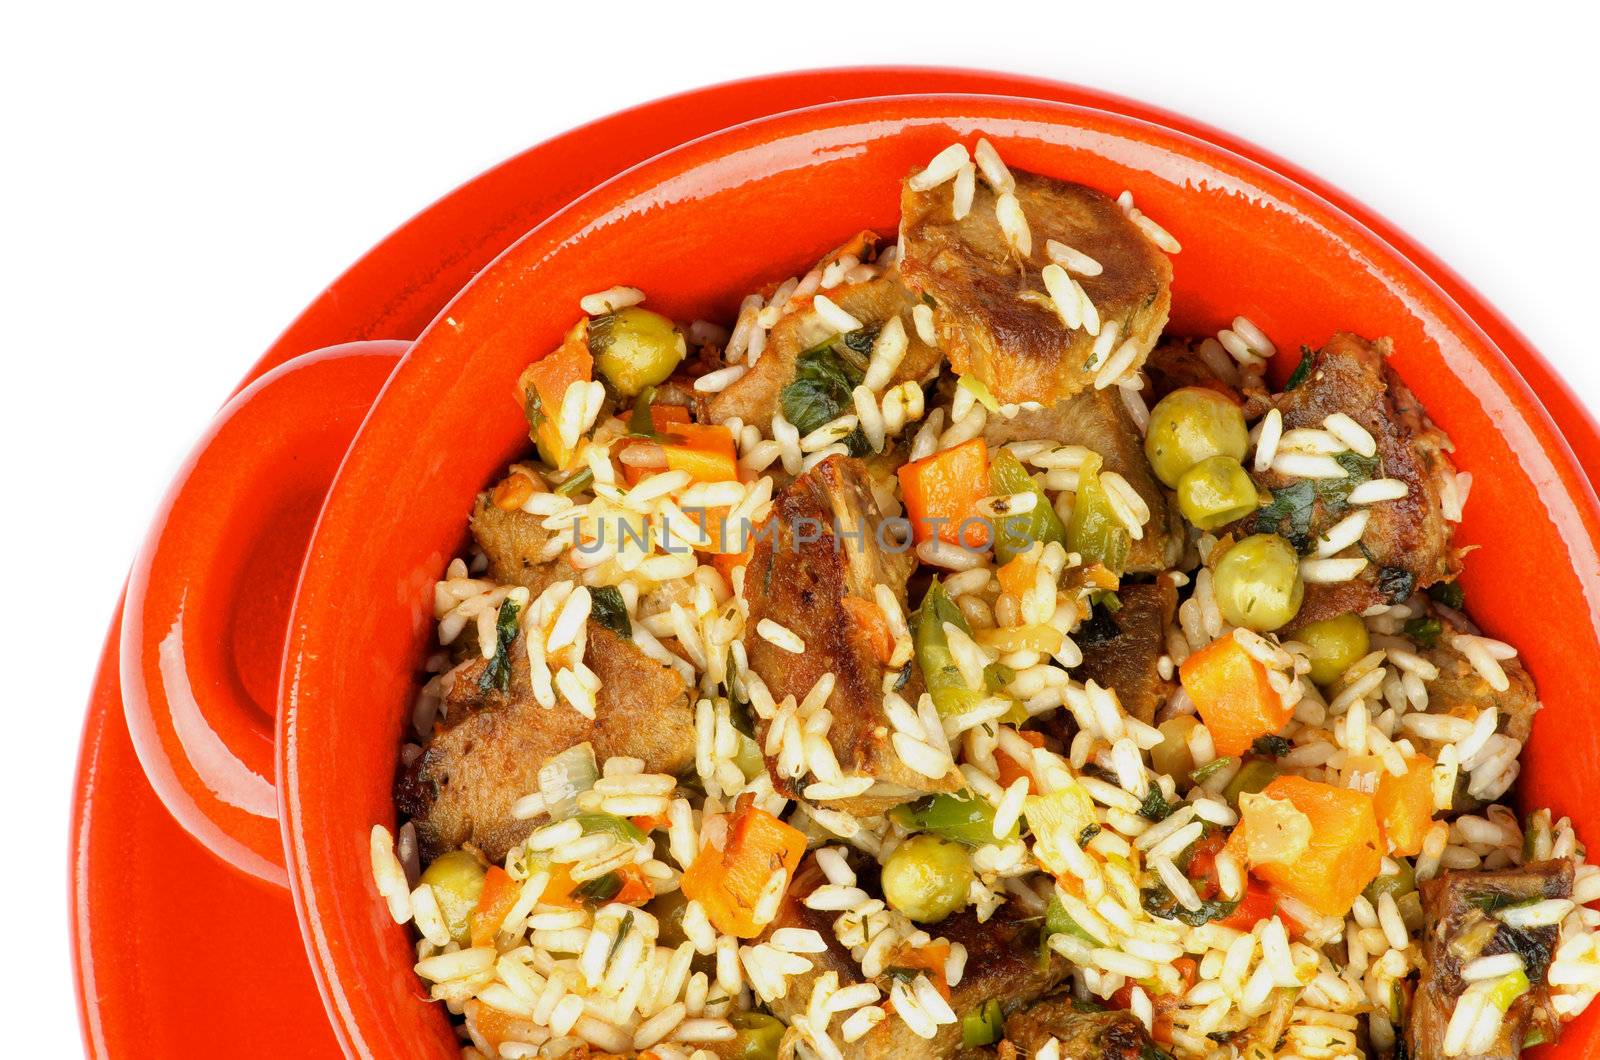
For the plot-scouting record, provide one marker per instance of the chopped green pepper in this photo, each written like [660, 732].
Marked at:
[984, 1025]
[1017, 533]
[611, 824]
[962, 817]
[1095, 532]
[939, 670]
[1057, 921]
[1252, 779]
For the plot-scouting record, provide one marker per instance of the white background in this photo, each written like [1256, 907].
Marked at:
[177, 184]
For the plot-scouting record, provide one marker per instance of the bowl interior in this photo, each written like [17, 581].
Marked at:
[698, 227]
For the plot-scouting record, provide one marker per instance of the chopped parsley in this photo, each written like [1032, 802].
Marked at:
[497, 675]
[1204, 773]
[1449, 594]
[1088, 833]
[608, 609]
[1289, 513]
[1425, 631]
[1159, 902]
[1270, 746]
[825, 376]
[1155, 807]
[599, 890]
[1302, 371]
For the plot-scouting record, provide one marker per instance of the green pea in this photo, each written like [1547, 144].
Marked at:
[1257, 583]
[756, 1036]
[1191, 425]
[1334, 645]
[457, 881]
[927, 878]
[635, 348]
[1215, 492]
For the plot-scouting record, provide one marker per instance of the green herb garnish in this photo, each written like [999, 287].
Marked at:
[1425, 631]
[576, 483]
[821, 391]
[1155, 807]
[607, 608]
[1302, 371]
[1158, 902]
[497, 675]
[1270, 746]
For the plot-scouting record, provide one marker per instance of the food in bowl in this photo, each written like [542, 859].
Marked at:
[944, 659]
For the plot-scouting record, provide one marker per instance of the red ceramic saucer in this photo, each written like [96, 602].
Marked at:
[178, 955]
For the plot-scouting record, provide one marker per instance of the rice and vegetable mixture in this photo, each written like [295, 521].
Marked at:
[944, 660]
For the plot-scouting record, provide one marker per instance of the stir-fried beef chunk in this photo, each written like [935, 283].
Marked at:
[1084, 1034]
[1406, 541]
[1461, 690]
[824, 544]
[755, 396]
[1128, 659]
[514, 543]
[995, 319]
[487, 755]
[1461, 909]
[1003, 964]
[1098, 420]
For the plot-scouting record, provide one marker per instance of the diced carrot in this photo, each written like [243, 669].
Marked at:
[512, 492]
[1018, 574]
[499, 894]
[1404, 805]
[729, 882]
[550, 376]
[493, 1025]
[705, 451]
[559, 890]
[664, 417]
[1009, 768]
[1231, 691]
[726, 561]
[1344, 852]
[874, 626]
[715, 523]
[648, 823]
[941, 493]
[930, 958]
[636, 889]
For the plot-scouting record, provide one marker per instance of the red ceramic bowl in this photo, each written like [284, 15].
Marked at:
[702, 224]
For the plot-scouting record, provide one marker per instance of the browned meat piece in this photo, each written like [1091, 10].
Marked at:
[1126, 660]
[1459, 908]
[513, 543]
[1098, 420]
[820, 546]
[1177, 363]
[1461, 691]
[1002, 965]
[1084, 1035]
[754, 397]
[463, 785]
[995, 319]
[1407, 541]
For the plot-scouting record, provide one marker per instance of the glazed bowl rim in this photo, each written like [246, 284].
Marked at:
[611, 195]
